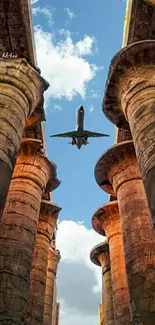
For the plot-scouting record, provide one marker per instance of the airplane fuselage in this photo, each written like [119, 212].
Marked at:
[80, 119]
[79, 140]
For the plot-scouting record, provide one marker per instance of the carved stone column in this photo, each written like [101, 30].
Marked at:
[100, 256]
[118, 169]
[101, 314]
[33, 174]
[21, 90]
[53, 260]
[55, 306]
[47, 223]
[130, 98]
[106, 221]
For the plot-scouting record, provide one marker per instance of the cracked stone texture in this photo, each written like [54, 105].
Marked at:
[18, 226]
[130, 98]
[21, 90]
[108, 219]
[53, 260]
[46, 226]
[137, 231]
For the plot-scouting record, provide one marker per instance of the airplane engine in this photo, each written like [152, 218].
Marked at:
[72, 142]
[84, 141]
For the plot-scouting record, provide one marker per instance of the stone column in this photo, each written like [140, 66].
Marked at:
[118, 170]
[47, 223]
[101, 314]
[130, 100]
[57, 314]
[21, 90]
[106, 221]
[33, 174]
[53, 260]
[54, 305]
[100, 256]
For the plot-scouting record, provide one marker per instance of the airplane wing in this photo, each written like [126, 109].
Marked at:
[70, 134]
[94, 134]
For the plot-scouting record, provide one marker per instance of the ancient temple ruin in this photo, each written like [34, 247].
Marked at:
[127, 172]
[28, 257]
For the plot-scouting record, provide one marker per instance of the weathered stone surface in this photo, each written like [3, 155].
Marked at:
[47, 223]
[53, 260]
[16, 34]
[101, 314]
[17, 39]
[140, 25]
[18, 225]
[55, 320]
[141, 21]
[150, 2]
[123, 135]
[130, 98]
[100, 256]
[107, 219]
[123, 174]
[21, 90]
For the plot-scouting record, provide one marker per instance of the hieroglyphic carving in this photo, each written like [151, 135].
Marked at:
[141, 27]
[142, 22]
[13, 38]
[16, 31]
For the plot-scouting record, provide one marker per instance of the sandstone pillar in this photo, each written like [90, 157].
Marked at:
[101, 314]
[56, 320]
[106, 221]
[53, 260]
[100, 256]
[47, 223]
[33, 174]
[118, 169]
[21, 90]
[130, 98]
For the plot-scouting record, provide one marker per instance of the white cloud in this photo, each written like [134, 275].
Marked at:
[70, 13]
[94, 94]
[57, 107]
[85, 46]
[47, 12]
[34, 1]
[63, 65]
[91, 108]
[79, 280]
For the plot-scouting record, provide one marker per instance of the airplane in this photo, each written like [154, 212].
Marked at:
[79, 136]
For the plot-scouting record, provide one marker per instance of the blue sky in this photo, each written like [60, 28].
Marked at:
[75, 42]
[79, 194]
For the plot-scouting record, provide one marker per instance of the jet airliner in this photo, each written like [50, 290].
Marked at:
[79, 136]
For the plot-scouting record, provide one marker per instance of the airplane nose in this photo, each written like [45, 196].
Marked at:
[81, 108]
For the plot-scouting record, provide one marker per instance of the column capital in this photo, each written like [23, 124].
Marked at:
[48, 218]
[99, 255]
[118, 162]
[20, 74]
[106, 218]
[32, 163]
[132, 69]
